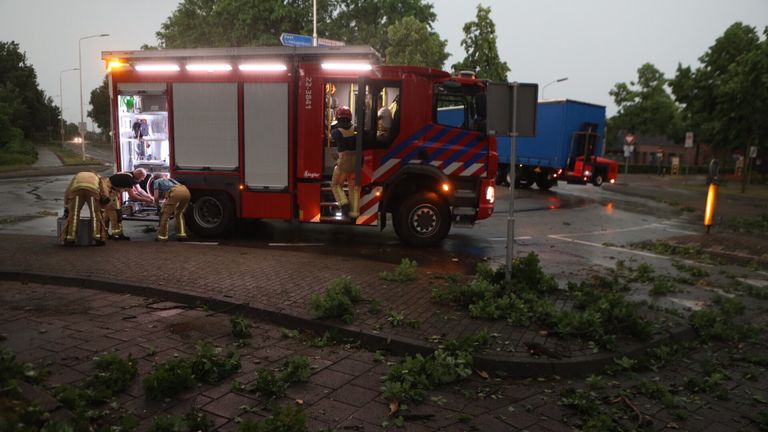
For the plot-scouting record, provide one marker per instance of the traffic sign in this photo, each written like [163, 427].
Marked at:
[629, 139]
[295, 40]
[689, 139]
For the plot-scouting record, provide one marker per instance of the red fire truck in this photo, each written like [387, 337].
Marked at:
[247, 130]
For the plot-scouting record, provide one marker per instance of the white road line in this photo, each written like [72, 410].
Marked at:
[505, 239]
[297, 244]
[611, 231]
[616, 248]
[620, 249]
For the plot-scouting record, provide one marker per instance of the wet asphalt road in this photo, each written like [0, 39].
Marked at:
[573, 225]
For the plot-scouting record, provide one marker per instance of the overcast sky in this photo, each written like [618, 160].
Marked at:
[595, 43]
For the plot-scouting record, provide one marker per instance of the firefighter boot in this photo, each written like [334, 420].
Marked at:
[340, 197]
[354, 197]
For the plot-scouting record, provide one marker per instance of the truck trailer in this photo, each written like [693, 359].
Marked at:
[248, 131]
[569, 143]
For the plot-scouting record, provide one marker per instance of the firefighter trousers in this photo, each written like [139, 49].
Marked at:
[75, 200]
[113, 214]
[345, 171]
[176, 202]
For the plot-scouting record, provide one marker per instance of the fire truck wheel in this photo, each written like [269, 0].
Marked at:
[212, 214]
[423, 219]
[597, 179]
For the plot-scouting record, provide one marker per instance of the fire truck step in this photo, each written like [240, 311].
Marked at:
[336, 220]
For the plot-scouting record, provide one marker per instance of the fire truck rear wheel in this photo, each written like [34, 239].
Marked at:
[212, 213]
[423, 219]
[597, 179]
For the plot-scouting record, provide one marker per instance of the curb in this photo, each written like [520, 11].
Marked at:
[517, 368]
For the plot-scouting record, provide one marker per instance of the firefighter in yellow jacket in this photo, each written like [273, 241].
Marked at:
[113, 213]
[85, 188]
[175, 197]
[344, 137]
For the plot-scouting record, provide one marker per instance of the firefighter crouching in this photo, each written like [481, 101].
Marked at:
[344, 137]
[176, 198]
[113, 214]
[85, 188]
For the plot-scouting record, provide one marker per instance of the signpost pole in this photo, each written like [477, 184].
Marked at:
[511, 211]
[314, 23]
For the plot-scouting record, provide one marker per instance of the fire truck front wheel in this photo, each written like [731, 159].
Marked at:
[212, 213]
[423, 219]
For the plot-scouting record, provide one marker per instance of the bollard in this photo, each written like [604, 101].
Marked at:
[709, 211]
[713, 181]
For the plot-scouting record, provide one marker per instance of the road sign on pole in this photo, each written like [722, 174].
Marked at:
[688, 139]
[295, 40]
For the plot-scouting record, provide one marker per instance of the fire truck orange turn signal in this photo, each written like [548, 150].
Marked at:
[115, 64]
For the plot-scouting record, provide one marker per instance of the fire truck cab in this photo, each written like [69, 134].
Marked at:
[248, 131]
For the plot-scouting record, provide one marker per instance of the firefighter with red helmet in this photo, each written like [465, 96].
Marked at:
[344, 137]
[86, 188]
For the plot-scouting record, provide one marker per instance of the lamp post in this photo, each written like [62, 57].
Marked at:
[81, 126]
[550, 83]
[61, 98]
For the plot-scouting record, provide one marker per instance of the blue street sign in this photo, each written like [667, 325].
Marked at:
[295, 40]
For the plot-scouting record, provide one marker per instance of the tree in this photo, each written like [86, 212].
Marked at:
[480, 45]
[645, 106]
[230, 23]
[411, 43]
[31, 110]
[367, 21]
[724, 99]
[100, 110]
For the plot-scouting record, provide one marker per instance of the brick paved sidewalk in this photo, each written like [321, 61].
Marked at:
[65, 327]
[277, 284]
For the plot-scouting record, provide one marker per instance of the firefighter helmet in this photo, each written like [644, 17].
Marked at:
[343, 112]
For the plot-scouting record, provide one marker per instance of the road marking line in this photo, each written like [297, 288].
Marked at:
[618, 230]
[616, 248]
[504, 238]
[296, 244]
[620, 249]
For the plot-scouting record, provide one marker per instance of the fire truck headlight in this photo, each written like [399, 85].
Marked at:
[490, 194]
[446, 187]
[613, 181]
[587, 173]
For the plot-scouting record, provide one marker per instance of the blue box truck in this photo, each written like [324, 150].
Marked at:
[568, 146]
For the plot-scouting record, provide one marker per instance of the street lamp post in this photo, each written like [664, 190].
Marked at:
[81, 126]
[550, 83]
[61, 98]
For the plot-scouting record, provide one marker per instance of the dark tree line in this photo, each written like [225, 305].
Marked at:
[26, 113]
[724, 100]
